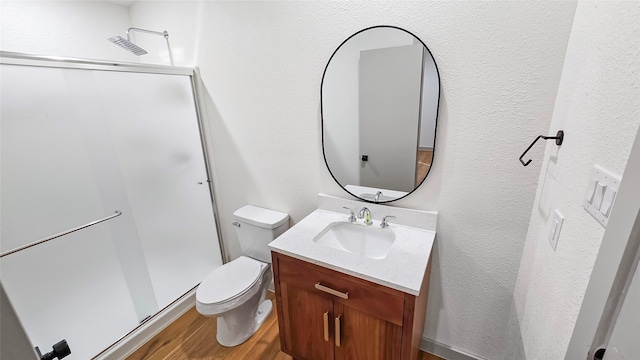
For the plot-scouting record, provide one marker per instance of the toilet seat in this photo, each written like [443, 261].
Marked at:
[229, 282]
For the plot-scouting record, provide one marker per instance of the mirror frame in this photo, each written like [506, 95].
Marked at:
[435, 128]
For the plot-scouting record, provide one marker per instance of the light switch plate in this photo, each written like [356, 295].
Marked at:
[601, 193]
[556, 226]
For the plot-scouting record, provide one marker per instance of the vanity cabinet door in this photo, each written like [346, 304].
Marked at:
[307, 318]
[360, 336]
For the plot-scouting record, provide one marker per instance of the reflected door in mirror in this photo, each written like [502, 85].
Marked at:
[390, 82]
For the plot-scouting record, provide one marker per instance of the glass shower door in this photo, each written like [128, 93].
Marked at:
[73, 287]
[154, 129]
[77, 145]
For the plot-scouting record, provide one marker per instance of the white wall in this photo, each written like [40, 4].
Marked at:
[64, 28]
[499, 63]
[598, 106]
[182, 19]
[14, 343]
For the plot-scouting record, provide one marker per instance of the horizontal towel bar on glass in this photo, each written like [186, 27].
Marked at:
[49, 238]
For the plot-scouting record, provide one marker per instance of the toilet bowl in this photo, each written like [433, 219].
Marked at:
[236, 291]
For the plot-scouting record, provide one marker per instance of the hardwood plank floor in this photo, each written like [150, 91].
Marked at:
[193, 336]
[425, 157]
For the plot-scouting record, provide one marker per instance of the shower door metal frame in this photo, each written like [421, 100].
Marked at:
[20, 59]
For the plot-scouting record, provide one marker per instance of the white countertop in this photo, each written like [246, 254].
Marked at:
[402, 269]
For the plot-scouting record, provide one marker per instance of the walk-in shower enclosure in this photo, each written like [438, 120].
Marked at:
[81, 140]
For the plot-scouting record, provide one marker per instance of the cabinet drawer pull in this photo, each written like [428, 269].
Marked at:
[332, 291]
[326, 326]
[338, 331]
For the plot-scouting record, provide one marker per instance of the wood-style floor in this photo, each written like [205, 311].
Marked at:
[425, 157]
[193, 336]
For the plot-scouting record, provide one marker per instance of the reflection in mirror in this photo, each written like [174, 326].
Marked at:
[380, 93]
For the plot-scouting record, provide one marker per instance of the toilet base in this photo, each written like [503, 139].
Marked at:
[232, 329]
[263, 311]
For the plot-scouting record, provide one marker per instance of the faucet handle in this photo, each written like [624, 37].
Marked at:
[352, 218]
[384, 222]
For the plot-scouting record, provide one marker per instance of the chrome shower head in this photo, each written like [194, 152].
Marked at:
[127, 45]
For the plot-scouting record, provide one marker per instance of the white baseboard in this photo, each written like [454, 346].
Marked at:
[135, 339]
[445, 351]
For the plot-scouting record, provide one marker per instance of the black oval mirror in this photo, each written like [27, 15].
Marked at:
[379, 103]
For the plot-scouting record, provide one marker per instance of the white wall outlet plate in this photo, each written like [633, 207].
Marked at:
[554, 231]
[602, 189]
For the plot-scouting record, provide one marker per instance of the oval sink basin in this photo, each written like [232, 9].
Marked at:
[369, 241]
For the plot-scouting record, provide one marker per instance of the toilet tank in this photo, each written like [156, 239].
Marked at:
[256, 228]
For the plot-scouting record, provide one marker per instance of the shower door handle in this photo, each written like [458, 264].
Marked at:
[66, 232]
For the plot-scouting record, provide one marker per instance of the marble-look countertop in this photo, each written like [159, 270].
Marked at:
[402, 269]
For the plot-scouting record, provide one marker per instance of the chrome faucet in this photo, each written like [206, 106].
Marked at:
[352, 218]
[365, 214]
[384, 222]
[377, 198]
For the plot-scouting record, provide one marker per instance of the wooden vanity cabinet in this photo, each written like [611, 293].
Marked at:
[324, 314]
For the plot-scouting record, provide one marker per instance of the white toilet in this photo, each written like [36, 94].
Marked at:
[236, 291]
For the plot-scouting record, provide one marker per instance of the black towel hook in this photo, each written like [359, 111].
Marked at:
[558, 138]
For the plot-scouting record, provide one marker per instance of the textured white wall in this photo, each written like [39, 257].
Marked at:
[182, 19]
[598, 106]
[499, 63]
[64, 28]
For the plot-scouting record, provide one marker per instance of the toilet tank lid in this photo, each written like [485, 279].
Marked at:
[261, 217]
